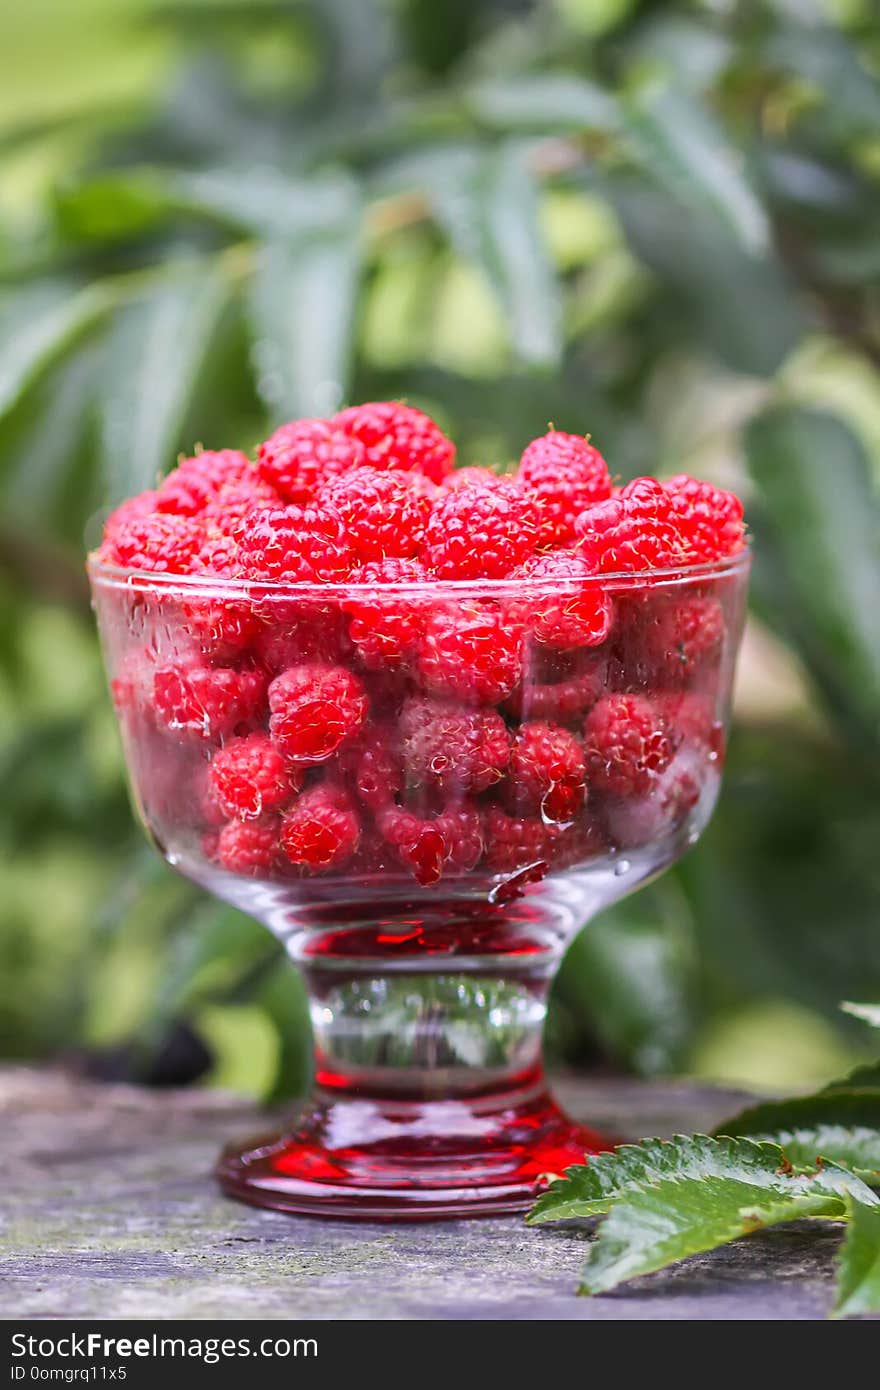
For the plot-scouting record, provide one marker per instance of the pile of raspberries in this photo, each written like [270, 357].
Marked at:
[419, 721]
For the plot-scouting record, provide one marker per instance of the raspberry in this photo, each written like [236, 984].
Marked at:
[577, 612]
[626, 744]
[220, 628]
[321, 831]
[399, 437]
[197, 481]
[127, 511]
[384, 514]
[636, 530]
[386, 628]
[638, 821]
[315, 709]
[472, 652]
[298, 544]
[452, 749]
[303, 454]
[314, 633]
[564, 474]
[514, 842]
[690, 719]
[710, 519]
[474, 476]
[427, 847]
[248, 847]
[562, 702]
[224, 513]
[375, 769]
[683, 637]
[156, 542]
[211, 701]
[249, 776]
[547, 773]
[479, 533]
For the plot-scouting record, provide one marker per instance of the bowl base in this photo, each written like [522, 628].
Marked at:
[409, 1161]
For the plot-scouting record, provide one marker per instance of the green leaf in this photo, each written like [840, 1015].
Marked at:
[302, 304]
[154, 356]
[548, 103]
[680, 146]
[38, 325]
[839, 1125]
[595, 1187]
[858, 1278]
[652, 1229]
[819, 553]
[488, 204]
[868, 1013]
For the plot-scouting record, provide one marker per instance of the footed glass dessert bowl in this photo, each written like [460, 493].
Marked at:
[424, 788]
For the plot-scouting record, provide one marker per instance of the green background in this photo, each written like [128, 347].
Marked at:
[659, 223]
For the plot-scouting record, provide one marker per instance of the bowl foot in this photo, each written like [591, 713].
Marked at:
[409, 1161]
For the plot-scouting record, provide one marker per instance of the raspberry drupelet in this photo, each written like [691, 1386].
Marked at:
[398, 436]
[314, 710]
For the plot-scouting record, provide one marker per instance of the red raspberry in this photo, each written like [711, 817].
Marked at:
[384, 514]
[683, 637]
[248, 847]
[197, 481]
[636, 530]
[564, 474]
[313, 633]
[513, 843]
[303, 454]
[562, 702]
[315, 709]
[452, 749]
[627, 745]
[224, 513]
[249, 776]
[295, 544]
[472, 652]
[156, 542]
[462, 831]
[386, 628]
[547, 774]
[127, 511]
[479, 533]
[573, 610]
[375, 768]
[636, 822]
[321, 831]
[220, 628]
[211, 701]
[691, 720]
[399, 437]
[710, 519]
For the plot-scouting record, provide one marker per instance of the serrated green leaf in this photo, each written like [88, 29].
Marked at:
[819, 553]
[649, 1230]
[868, 1013]
[855, 1147]
[154, 356]
[551, 103]
[680, 146]
[38, 325]
[839, 1125]
[595, 1187]
[858, 1278]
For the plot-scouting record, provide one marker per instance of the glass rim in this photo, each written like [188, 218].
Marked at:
[115, 576]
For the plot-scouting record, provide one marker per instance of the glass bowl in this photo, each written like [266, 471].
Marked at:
[424, 791]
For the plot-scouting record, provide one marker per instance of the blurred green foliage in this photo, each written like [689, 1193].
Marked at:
[659, 222]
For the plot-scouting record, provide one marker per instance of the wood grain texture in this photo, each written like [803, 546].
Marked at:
[107, 1209]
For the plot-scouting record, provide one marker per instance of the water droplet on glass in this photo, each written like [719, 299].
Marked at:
[622, 867]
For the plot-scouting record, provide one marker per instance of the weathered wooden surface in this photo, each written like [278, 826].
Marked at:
[108, 1210]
